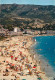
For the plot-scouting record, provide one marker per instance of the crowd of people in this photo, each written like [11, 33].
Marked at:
[16, 61]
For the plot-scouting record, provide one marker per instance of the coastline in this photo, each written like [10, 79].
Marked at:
[36, 56]
[25, 50]
[45, 66]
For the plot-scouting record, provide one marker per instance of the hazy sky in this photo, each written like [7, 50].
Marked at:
[36, 2]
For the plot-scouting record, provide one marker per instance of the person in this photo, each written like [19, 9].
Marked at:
[34, 56]
[11, 57]
[15, 58]
[7, 70]
[39, 61]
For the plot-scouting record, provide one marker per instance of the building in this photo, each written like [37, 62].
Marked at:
[16, 29]
[50, 32]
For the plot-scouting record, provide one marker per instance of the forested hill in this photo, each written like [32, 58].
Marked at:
[27, 16]
[45, 13]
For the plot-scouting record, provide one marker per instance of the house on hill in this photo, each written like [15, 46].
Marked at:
[16, 29]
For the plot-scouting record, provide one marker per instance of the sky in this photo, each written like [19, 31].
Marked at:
[35, 2]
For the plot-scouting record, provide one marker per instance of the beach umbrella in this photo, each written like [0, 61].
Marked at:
[39, 78]
[16, 44]
[12, 64]
[34, 67]
[15, 58]
[11, 56]
[13, 51]
[0, 50]
[7, 67]
[7, 61]
[10, 51]
[20, 53]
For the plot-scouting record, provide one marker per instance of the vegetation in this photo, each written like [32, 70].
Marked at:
[27, 17]
[49, 27]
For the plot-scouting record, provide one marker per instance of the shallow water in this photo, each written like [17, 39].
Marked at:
[45, 48]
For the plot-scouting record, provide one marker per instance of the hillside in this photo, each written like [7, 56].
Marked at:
[46, 13]
[30, 15]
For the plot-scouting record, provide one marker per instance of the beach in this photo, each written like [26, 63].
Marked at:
[45, 49]
[17, 62]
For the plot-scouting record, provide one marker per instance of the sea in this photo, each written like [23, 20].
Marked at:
[45, 49]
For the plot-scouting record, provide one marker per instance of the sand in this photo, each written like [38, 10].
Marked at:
[16, 62]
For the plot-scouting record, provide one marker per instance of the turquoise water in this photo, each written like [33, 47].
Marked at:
[45, 46]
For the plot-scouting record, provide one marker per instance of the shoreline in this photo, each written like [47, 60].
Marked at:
[17, 42]
[45, 66]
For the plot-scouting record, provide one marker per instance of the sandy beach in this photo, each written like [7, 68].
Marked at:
[16, 62]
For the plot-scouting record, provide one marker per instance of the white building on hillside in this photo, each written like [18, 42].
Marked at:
[16, 29]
